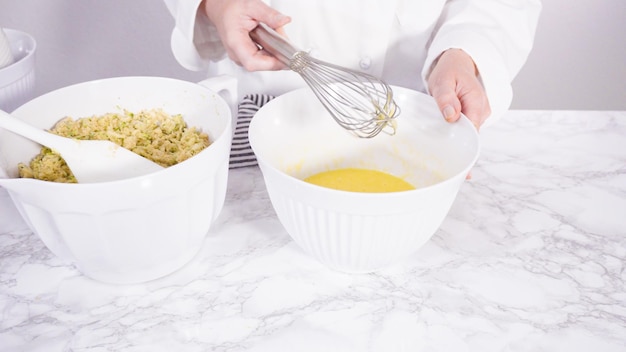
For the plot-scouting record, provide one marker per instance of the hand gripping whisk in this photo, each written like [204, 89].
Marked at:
[360, 103]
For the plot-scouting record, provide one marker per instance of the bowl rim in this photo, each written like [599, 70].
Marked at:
[263, 163]
[13, 72]
[220, 138]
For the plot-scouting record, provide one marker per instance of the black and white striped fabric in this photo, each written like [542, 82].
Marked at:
[241, 154]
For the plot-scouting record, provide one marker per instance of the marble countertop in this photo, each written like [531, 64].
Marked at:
[530, 258]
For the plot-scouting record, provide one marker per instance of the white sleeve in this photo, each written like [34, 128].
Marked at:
[195, 41]
[497, 34]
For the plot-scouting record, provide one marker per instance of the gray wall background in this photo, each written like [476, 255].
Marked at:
[578, 62]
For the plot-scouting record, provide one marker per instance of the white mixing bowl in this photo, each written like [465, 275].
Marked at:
[17, 80]
[293, 137]
[136, 229]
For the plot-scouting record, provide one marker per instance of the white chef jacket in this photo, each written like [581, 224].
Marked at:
[396, 40]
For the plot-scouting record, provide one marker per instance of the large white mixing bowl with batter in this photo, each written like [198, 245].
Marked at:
[293, 137]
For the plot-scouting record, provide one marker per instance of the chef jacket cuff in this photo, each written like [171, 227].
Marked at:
[195, 40]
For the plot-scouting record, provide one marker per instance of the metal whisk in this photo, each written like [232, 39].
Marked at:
[360, 103]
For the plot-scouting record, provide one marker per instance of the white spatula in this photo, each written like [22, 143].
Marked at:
[90, 161]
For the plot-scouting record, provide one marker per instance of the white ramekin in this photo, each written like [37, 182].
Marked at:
[17, 80]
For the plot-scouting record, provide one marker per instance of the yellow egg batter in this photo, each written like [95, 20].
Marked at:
[360, 180]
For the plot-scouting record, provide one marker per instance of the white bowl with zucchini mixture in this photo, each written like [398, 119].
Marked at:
[136, 229]
[294, 137]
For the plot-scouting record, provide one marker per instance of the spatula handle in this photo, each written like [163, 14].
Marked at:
[17, 126]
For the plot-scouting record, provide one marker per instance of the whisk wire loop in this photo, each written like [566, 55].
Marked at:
[358, 102]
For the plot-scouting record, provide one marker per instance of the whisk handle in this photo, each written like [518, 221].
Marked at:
[273, 43]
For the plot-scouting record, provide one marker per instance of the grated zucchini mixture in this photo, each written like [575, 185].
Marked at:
[163, 138]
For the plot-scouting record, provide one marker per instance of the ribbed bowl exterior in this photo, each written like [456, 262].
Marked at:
[17, 80]
[18, 92]
[358, 235]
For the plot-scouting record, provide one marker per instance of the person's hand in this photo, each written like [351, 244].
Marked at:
[234, 19]
[456, 88]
